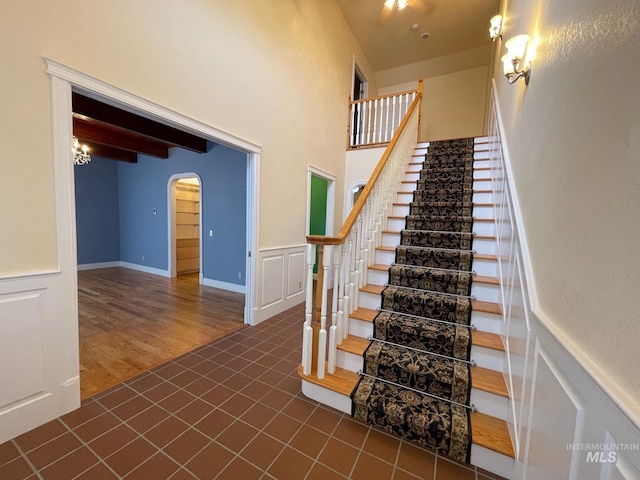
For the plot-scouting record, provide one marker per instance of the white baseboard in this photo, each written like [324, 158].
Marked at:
[97, 266]
[145, 269]
[231, 287]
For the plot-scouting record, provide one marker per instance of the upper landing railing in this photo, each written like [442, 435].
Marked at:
[344, 259]
[374, 121]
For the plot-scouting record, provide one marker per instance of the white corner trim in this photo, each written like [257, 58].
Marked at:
[92, 86]
[231, 287]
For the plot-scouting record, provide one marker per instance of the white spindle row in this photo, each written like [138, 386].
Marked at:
[375, 121]
[347, 263]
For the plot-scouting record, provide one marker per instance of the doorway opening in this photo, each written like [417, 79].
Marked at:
[65, 82]
[185, 237]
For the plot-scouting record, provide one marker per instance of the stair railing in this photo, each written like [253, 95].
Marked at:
[374, 121]
[346, 257]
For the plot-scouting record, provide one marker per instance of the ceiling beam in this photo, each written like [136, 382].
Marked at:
[104, 134]
[130, 121]
[112, 153]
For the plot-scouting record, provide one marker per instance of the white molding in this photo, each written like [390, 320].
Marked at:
[231, 287]
[100, 90]
[97, 266]
[145, 269]
[331, 198]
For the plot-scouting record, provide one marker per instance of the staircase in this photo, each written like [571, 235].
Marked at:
[491, 447]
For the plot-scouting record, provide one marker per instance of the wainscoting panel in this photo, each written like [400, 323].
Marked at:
[562, 422]
[21, 345]
[280, 281]
[39, 378]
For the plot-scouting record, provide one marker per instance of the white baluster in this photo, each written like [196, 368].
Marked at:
[307, 332]
[322, 334]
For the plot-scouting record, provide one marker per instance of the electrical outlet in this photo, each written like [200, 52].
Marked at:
[143, 258]
[239, 275]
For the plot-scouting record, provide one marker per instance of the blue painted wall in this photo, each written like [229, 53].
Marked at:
[143, 187]
[97, 211]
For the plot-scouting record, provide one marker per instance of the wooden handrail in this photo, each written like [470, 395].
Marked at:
[362, 199]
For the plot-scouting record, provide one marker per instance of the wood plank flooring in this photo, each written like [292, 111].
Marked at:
[131, 321]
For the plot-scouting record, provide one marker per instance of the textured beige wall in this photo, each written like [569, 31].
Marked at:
[453, 104]
[573, 136]
[274, 72]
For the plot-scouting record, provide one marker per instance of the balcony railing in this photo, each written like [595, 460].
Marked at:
[374, 121]
[347, 256]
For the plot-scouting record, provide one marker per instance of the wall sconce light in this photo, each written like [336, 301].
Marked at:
[399, 4]
[515, 66]
[495, 30]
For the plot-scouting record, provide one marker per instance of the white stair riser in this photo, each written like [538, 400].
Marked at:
[377, 277]
[414, 166]
[480, 245]
[353, 362]
[485, 322]
[489, 403]
[421, 151]
[412, 176]
[487, 357]
[480, 154]
[482, 197]
[487, 292]
[360, 328]
[480, 227]
[328, 397]
[488, 268]
[483, 211]
[492, 461]
[482, 174]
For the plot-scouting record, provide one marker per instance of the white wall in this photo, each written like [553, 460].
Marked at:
[574, 141]
[559, 416]
[454, 92]
[274, 73]
[359, 165]
[277, 73]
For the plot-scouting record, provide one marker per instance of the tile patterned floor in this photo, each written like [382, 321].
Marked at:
[232, 409]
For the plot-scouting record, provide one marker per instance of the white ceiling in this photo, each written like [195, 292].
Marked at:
[388, 42]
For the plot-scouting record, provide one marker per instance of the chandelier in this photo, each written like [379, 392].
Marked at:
[80, 155]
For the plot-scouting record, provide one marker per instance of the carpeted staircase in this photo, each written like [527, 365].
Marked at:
[416, 379]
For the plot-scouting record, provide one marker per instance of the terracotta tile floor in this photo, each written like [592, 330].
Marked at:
[232, 409]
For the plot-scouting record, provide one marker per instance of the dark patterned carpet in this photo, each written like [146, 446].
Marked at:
[416, 366]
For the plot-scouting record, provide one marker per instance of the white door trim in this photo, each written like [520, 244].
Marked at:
[331, 197]
[66, 79]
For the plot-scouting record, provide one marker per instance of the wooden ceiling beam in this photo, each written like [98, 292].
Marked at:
[112, 153]
[104, 134]
[130, 121]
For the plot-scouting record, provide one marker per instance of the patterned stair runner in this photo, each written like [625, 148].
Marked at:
[417, 377]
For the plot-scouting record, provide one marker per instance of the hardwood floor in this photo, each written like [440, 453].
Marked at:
[131, 321]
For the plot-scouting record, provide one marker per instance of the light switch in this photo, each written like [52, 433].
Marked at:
[211, 233]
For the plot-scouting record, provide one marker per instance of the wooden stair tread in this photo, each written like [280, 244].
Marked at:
[364, 314]
[485, 256]
[371, 288]
[354, 344]
[342, 381]
[386, 249]
[487, 340]
[489, 381]
[379, 266]
[486, 279]
[491, 433]
[486, 307]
